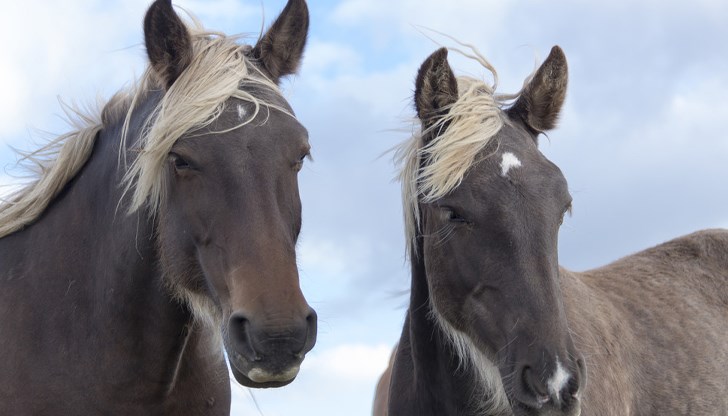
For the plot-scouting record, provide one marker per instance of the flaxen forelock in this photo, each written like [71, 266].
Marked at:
[433, 168]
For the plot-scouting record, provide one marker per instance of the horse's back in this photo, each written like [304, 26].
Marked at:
[695, 265]
[654, 328]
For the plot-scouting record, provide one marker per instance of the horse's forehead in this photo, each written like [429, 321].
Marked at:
[513, 160]
[263, 95]
[514, 152]
[243, 129]
[509, 161]
[272, 112]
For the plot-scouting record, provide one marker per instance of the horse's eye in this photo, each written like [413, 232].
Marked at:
[453, 216]
[179, 162]
[567, 210]
[299, 164]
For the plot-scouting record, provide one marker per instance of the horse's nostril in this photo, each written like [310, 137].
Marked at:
[311, 317]
[237, 320]
[239, 335]
[572, 388]
[311, 330]
[532, 384]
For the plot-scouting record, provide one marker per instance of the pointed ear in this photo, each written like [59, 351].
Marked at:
[436, 88]
[540, 102]
[280, 50]
[168, 42]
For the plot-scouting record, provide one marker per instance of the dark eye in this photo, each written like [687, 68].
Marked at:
[299, 164]
[179, 162]
[567, 210]
[453, 216]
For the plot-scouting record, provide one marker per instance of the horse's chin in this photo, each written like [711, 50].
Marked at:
[574, 410]
[261, 376]
[247, 382]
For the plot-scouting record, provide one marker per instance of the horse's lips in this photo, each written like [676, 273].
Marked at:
[246, 381]
[262, 376]
[258, 377]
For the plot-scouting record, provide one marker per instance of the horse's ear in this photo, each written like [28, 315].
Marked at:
[436, 88]
[540, 102]
[280, 50]
[168, 42]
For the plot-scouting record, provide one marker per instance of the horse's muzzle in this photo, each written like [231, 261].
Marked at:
[557, 395]
[268, 354]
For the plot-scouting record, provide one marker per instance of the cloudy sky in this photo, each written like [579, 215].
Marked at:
[642, 139]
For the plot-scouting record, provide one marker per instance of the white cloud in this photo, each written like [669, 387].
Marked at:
[350, 362]
[221, 9]
[384, 93]
[324, 57]
[334, 260]
[63, 49]
[393, 18]
[691, 121]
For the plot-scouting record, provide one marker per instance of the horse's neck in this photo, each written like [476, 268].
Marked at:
[427, 378]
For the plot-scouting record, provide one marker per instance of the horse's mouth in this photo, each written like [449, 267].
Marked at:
[573, 410]
[248, 382]
[256, 376]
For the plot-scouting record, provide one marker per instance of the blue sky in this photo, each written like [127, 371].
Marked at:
[641, 140]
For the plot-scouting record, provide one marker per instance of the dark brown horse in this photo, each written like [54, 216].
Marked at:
[159, 231]
[494, 325]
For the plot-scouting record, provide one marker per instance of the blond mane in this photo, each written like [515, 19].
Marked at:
[219, 70]
[431, 170]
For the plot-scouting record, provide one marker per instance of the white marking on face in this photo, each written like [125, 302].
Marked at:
[558, 381]
[241, 112]
[509, 162]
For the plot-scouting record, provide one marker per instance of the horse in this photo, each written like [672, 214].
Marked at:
[494, 325]
[158, 232]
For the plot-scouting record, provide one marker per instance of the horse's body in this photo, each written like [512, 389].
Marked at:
[117, 296]
[645, 324]
[653, 329]
[495, 327]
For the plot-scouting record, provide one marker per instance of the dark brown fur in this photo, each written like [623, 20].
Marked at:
[105, 313]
